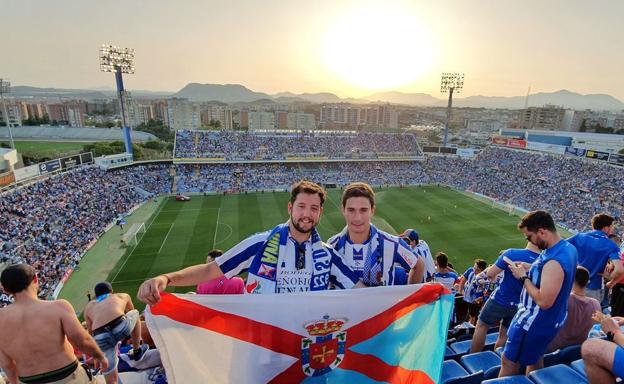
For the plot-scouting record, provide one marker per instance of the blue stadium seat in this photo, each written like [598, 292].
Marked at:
[569, 354]
[448, 351]
[461, 346]
[490, 340]
[551, 359]
[492, 373]
[451, 369]
[557, 374]
[579, 366]
[480, 361]
[473, 378]
[518, 379]
[493, 330]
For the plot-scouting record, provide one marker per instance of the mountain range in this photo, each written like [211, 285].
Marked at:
[236, 93]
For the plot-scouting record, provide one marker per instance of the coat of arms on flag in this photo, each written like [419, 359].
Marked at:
[325, 348]
[393, 334]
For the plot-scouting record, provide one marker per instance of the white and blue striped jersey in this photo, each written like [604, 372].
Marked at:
[422, 249]
[288, 278]
[543, 321]
[395, 251]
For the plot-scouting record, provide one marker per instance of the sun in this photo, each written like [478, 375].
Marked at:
[378, 48]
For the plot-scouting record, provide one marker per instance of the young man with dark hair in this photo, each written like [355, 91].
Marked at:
[371, 252]
[38, 337]
[503, 303]
[595, 250]
[289, 258]
[546, 285]
[420, 248]
[444, 274]
[580, 311]
[111, 318]
[222, 285]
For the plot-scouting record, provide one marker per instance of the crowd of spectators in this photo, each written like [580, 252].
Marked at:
[275, 146]
[49, 224]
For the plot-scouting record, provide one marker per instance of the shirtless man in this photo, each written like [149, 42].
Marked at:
[36, 334]
[111, 317]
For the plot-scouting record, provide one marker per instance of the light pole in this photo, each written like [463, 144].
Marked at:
[119, 60]
[5, 87]
[451, 82]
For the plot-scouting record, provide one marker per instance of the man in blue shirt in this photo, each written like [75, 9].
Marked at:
[544, 299]
[503, 303]
[595, 250]
[289, 258]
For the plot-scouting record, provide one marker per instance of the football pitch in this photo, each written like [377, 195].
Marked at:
[180, 234]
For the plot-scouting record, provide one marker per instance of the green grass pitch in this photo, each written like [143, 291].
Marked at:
[180, 234]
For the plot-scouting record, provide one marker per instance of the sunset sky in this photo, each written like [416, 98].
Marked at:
[350, 48]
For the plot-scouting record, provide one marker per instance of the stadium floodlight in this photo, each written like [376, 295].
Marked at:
[5, 87]
[451, 82]
[119, 60]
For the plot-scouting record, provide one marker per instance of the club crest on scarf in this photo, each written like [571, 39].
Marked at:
[325, 347]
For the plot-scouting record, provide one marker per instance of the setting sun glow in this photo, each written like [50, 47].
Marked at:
[378, 48]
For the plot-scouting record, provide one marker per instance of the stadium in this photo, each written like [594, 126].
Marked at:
[117, 220]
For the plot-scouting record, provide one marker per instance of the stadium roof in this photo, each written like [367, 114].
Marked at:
[77, 134]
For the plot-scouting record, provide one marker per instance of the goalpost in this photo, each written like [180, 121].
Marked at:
[131, 237]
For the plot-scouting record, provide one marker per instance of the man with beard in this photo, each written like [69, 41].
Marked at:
[289, 258]
[543, 304]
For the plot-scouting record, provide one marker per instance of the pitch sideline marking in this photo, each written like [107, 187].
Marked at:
[214, 245]
[214, 239]
[165, 239]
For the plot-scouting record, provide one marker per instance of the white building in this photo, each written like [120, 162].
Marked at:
[261, 121]
[183, 114]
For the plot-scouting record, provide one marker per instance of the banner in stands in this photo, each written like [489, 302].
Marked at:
[544, 147]
[49, 166]
[431, 149]
[516, 143]
[26, 172]
[70, 162]
[7, 179]
[328, 337]
[466, 152]
[597, 155]
[616, 159]
[499, 140]
[580, 152]
[86, 158]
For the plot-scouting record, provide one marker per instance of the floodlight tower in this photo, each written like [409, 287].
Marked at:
[119, 60]
[451, 82]
[5, 87]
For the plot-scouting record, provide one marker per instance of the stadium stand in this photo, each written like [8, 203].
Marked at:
[77, 134]
[251, 146]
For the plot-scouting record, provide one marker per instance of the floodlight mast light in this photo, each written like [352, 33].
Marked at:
[119, 60]
[451, 82]
[5, 87]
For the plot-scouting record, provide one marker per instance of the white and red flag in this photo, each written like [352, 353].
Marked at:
[384, 334]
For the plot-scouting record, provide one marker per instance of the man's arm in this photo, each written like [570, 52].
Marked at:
[417, 273]
[77, 335]
[492, 271]
[550, 283]
[617, 273]
[149, 291]
[129, 304]
[8, 365]
[87, 317]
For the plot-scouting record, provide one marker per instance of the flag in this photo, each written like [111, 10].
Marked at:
[383, 334]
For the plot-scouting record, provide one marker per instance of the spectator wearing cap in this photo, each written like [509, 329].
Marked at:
[111, 318]
[421, 248]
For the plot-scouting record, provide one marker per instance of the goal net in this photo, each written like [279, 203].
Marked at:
[133, 234]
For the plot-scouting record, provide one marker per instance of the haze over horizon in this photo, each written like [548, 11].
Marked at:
[350, 48]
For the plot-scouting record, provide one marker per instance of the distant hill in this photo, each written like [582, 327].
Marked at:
[227, 93]
[236, 93]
